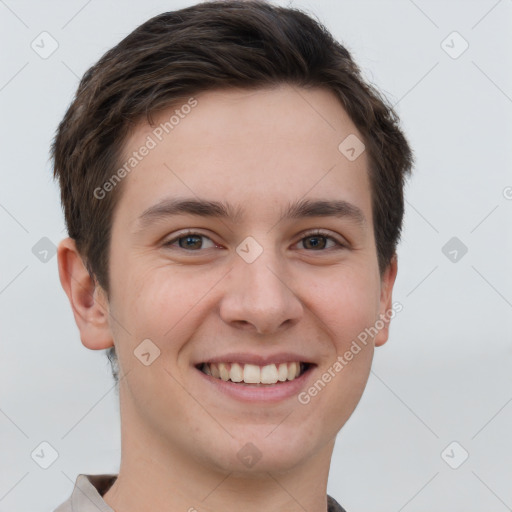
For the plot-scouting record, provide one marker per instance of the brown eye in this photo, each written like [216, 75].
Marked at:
[318, 241]
[189, 242]
[315, 242]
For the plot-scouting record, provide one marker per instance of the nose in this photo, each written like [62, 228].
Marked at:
[259, 297]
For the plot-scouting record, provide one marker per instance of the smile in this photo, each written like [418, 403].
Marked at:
[254, 374]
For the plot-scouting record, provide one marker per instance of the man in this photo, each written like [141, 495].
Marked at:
[233, 192]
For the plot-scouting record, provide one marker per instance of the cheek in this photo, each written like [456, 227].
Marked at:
[346, 301]
[165, 303]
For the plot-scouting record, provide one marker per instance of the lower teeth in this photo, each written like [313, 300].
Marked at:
[251, 384]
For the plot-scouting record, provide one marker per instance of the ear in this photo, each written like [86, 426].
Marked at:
[385, 308]
[88, 300]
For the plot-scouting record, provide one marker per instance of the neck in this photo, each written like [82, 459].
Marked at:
[155, 475]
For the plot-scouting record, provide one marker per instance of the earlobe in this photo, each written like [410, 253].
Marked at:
[386, 299]
[87, 299]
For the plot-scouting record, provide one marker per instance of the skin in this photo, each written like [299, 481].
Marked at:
[258, 150]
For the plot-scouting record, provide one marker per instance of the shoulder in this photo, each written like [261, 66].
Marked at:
[333, 505]
[87, 494]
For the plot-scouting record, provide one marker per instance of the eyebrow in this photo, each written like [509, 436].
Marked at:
[216, 209]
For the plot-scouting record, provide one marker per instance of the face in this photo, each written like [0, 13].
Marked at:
[279, 265]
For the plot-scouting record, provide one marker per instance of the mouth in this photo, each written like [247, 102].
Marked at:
[255, 375]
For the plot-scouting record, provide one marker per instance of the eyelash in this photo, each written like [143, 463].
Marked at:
[309, 234]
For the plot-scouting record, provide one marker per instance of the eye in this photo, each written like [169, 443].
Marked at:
[317, 240]
[190, 241]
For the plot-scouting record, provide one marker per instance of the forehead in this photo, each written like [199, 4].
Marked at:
[252, 148]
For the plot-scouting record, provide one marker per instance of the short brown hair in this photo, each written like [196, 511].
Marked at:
[214, 45]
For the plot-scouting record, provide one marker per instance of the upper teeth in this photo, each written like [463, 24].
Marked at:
[253, 374]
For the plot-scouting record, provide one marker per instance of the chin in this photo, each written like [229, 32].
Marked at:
[257, 455]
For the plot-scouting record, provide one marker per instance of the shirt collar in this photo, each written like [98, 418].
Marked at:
[88, 491]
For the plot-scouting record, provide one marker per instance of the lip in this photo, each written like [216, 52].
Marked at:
[257, 359]
[266, 393]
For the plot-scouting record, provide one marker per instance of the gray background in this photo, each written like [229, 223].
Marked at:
[444, 376]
